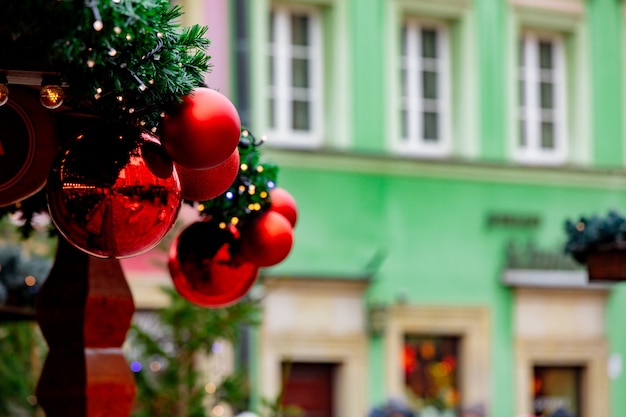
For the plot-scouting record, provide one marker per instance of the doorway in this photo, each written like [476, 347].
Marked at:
[309, 387]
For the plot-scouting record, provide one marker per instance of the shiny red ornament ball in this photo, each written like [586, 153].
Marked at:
[113, 192]
[203, 269]
[205, 184]
[268, 240]
[202, 131]
[282, 202]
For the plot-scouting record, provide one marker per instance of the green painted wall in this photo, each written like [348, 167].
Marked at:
[430, 218]
[606, 23]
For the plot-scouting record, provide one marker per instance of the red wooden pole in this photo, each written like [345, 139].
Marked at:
[84, 310]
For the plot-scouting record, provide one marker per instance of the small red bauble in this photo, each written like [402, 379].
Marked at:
[202, 131]
[203, 270]
[113, 192]
[282, 202]
[205, 184]
[268, 240]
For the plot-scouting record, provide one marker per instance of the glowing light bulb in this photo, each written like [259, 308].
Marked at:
[51, 96]
[98, 25]
[4, 94]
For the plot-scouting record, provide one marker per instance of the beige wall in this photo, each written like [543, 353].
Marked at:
[316, 321]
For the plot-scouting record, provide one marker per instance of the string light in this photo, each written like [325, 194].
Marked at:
[51, 96]
[244, 167]
[234, 221]
[97, 24]
[4, 94]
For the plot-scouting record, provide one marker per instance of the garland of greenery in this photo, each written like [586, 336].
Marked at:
[122, 60]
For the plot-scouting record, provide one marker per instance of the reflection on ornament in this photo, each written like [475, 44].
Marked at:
[203, 269]
[4, 94]
[110, 192]
[51, 96]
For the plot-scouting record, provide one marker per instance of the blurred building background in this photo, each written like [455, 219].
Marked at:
[435, 149]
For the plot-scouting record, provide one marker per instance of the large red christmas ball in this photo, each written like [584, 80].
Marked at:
[205, 184]
[268, 240]
[202, 131]
[203, 270]
[113, 191]
[282, 202]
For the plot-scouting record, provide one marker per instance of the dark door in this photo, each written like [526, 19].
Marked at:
[309, 386]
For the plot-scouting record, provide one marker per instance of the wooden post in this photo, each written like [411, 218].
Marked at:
[84, 310]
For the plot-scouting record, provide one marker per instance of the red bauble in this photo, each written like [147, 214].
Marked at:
[268, 240]
[202, 131]
[282, 202]
[205, 184]
[113, 192]
[203, 270]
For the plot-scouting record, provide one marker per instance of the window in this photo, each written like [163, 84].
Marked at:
[557, 387]
[295, 76]
[542, 113]
[431, 373]
[425, 88]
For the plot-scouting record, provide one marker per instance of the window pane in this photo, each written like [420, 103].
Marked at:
[301, 115]
[522, 93]
[404, 123]
[547, 95]
[272, 25]
[429, 43]
[431, 126]
[429, 84]
[403, 49]
[431, 366]
[300, 30]
[547, 135]
[545, 55]
[403, 83]
[270, 64]
[522, 134]
[557, 387]
[522, 57]
[271, 112]
[300, 72]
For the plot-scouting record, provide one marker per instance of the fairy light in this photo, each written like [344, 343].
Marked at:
[244, 167]
[229, 195]
[259, 169]
[210, 388]
[222, 225]
[200, 207]
[117, 30]
[30, 281]
[252, 189]
[245, 133]
[218, 410]
[128, 37]
[263, 194]
[112, 52]
[120, 98]
[242, 188]
[91, 63]
[4, 94]
[234, 221]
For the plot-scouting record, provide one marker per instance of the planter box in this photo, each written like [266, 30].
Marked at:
[607, 264]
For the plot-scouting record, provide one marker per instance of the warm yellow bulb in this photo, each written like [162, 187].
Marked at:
[4, 94]
[234, 220]
[51, 96]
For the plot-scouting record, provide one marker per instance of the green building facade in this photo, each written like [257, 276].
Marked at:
[435, 149]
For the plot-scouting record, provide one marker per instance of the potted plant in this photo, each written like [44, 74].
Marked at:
[599, 243]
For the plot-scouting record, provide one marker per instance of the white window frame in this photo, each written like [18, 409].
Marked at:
[412, 100]
[531, 114]
[282, 92]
